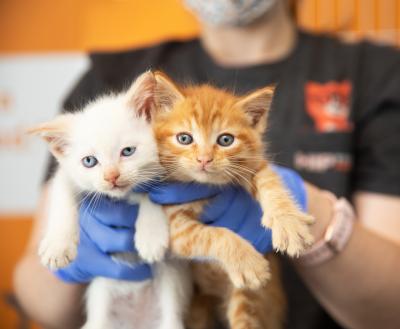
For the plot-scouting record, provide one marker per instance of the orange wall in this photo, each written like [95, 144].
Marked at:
[41, 25]
[375, 19]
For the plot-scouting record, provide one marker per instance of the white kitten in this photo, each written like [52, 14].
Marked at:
[109, 148]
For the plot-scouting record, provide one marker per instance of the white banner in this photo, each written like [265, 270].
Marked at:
[32, 88]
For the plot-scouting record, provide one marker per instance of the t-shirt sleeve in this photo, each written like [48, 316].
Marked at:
[377, 144]
[85, 90]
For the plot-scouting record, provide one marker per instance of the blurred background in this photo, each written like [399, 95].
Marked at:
[42, 53]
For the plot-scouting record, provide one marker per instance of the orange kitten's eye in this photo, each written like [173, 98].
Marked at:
[225, 139]
[184, 138]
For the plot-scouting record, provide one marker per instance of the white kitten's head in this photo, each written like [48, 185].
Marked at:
[109, 146]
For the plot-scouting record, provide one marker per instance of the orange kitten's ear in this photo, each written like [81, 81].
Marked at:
[256, 105]
[166, 92]
[55, 133]
[140, 95]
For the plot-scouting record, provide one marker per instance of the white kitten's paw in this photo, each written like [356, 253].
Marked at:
[151, 252]
[57, 253]
[291, 232]
[151, 246]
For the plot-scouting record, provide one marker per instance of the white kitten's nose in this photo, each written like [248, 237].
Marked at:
[111, 175]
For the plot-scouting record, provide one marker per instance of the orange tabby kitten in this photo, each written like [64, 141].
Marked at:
[212, 136]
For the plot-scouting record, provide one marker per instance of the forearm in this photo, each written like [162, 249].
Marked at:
[360, 287]
[47, 300]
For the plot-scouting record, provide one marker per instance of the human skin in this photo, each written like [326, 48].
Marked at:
[368, 267]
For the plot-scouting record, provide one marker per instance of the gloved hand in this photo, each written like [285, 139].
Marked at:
[106, 227]
[232, 207]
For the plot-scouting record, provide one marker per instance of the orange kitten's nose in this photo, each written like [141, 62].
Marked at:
[111, 175]
[204, 160]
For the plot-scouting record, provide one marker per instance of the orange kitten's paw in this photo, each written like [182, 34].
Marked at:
[290, 232]
[250, 271]
[57, 253]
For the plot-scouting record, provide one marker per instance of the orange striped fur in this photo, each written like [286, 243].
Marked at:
[236, 283]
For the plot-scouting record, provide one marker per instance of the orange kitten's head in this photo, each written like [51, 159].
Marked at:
[208, 135]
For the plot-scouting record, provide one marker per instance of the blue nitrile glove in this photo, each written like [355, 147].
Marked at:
[232, 207]
[106, 227]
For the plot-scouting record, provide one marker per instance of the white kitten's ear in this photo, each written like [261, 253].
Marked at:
[256, 105]
[55, 133]
[140, 95]
[166, 92]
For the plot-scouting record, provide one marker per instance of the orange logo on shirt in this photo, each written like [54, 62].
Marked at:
[328, 104]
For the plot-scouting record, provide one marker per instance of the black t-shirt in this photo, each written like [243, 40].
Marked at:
[335, 117]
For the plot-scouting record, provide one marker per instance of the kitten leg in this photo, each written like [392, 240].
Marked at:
[174, 285]
[59, 244]
[264, 308]
[151, 241]
[98, 305]
[152, 231]
[192, 239]
[289, 225]
[201, 313]
[173, 277]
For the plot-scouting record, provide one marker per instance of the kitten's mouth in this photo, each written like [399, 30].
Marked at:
[204, 169]
[119, 186]
[117, 190]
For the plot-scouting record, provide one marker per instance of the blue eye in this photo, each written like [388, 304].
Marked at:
[184, 138]
[225, 139]
[127, 151]
[90, 161]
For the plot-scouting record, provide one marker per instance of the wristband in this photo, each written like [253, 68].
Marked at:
[336, 235]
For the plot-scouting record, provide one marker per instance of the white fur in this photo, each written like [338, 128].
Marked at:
[171, 284]
[170, 288]
[152, 231]
[102, 130]
[58, 247]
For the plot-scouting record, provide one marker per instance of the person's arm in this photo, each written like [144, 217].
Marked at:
[48, 300]
[105, 229]
[360, 287]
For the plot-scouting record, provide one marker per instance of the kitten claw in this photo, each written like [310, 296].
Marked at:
[151, 251]
[57, 253]
[250, 271]
[290, 232]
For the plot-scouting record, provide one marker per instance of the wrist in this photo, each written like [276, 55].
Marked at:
[321, 208]
[333, 232]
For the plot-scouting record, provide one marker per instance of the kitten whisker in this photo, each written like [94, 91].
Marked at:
[241, 178]
[88, 207]
[81, 200]
[243, 168]
[231, 177]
